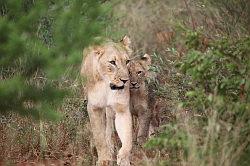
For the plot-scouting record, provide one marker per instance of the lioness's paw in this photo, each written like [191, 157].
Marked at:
[105, 163]
[123, 160]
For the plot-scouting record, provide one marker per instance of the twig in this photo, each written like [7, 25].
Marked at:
[191, 15]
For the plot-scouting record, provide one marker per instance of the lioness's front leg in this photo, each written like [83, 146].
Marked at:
[123, 124]
[110, 129]
[97, 121]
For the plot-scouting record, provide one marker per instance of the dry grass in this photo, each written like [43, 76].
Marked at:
[66, 141]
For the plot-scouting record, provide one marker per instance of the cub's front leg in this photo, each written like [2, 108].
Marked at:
[143, 124]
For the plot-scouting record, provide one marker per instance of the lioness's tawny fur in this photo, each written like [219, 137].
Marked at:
[107, 88]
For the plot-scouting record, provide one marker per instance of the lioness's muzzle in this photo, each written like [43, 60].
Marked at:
[114, 87]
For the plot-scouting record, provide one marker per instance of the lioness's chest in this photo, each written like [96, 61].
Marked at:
[97, 95]
[100, 95]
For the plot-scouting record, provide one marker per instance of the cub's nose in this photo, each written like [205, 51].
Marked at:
[124, 80]
[133, 83]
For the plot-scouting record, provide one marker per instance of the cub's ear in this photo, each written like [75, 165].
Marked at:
[146, 59]
[126, 41]
[98, 51]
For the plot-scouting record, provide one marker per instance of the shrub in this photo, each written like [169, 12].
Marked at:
[39, 40]
[216, 129]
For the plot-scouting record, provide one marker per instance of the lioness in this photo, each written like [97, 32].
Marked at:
[139, 96]
[107, 88]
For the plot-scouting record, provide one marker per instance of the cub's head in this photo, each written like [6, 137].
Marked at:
[112, 60]
[138, 71]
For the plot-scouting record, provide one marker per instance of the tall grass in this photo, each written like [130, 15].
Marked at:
[66, 141]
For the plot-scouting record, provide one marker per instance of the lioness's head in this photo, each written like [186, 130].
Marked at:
[138, 71]
[112, 60]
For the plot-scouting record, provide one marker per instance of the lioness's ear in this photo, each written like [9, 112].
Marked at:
[127, 44]
[126, 41]
[99, 51]
[146, 59]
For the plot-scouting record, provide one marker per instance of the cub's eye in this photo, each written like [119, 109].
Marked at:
[112, 62]
[127, 61]
[139, 72]
[129, 72]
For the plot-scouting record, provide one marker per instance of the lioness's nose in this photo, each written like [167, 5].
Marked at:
[124, 80]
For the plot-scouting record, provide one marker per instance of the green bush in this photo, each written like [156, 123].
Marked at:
[39, 40]
[215, 131]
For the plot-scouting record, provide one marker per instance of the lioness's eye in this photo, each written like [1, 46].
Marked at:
[112, 62]
[139, 72]
[127, 61]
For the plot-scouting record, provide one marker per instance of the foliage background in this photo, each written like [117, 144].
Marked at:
[39, 39]
[200, 51]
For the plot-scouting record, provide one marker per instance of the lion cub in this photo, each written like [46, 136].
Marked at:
[139, 107]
